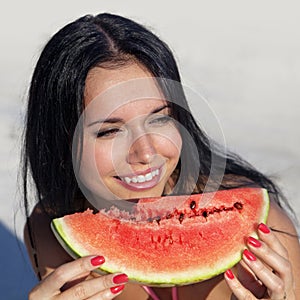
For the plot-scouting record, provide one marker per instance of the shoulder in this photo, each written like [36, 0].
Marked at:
[44, 251]
[279, 220]
[284, 228]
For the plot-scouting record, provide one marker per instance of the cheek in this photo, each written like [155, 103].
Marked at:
[96, 160]
[108, 157]
[170, 145]
[103, 159]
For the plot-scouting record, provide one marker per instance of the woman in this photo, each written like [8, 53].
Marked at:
[77, 69]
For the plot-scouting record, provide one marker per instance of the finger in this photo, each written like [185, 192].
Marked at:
[272, 259]
[249, 280]
[109, 293]
[51, 285]
[266, 235]
[239, 291]
[106, 286]
[275, 285]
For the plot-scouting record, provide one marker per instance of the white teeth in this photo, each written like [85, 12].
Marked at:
[127, 179]
[148, 176]
[141, 178]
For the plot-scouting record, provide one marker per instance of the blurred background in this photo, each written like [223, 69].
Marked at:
[243, 57]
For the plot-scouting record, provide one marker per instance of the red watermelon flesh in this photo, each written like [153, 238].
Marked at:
[162, 245]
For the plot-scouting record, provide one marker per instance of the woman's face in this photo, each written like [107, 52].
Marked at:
[131, 145]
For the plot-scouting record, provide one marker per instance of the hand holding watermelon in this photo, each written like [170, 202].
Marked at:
[68, 276]
[265, 271]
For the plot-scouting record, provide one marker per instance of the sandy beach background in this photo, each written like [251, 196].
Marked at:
[242, 57]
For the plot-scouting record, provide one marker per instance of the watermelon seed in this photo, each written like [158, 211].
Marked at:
[193, 204]
[157, 219]
[169, 216]
[238, 205]
[205, 214]
[181, 217]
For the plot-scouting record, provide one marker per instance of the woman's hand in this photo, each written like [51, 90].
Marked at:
[57, 284]
[265, 271]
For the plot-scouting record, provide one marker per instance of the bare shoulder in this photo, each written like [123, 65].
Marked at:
[279, 220]
[44, 251]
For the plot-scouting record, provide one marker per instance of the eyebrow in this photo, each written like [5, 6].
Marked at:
[120, 120]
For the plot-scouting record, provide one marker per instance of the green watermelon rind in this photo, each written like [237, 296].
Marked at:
[57, 227]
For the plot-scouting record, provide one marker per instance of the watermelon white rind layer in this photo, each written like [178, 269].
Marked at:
[186, 273]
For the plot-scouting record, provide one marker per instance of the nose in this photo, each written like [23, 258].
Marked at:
[142, 150]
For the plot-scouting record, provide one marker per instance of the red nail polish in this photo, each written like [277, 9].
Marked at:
[253, 242]
[117, 289]
[97, 261]
[120, 278]
[229, 274]
[263, 228]
[250, 256]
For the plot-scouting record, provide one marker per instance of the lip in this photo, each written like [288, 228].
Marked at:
[144, 172]
[139, 186]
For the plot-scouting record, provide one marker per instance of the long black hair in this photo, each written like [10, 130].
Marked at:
[56, 102]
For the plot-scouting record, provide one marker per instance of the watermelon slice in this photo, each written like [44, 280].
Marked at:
[199, 237]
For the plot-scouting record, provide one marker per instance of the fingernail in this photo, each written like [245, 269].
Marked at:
[229, 274]
[117, 289]
[97, 260]
[263, 228]
[120, 278]
[253, 242]
[250, 256]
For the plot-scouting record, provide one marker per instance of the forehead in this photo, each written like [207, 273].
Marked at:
[129, 81]
[130, 87]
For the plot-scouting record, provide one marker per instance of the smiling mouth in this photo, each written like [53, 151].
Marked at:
[140, 178]
[141, 181]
